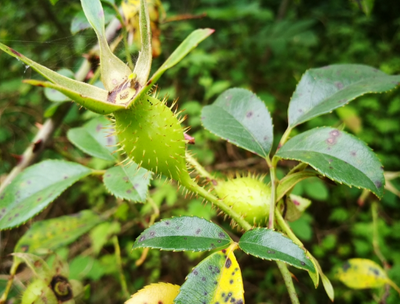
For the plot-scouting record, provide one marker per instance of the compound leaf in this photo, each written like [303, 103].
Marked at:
[241, 118]
[217, 279]
[271, 245]
[35, 188]
[94, 138]
[128, 182]
[48, 235]
[337, 155]
[324, 89]
[184, 233]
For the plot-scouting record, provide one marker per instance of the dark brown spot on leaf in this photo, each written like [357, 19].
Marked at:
[228, 263]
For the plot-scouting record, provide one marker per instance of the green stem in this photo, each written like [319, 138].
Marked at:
[271, 219]
[288, 282]
[13, 271]
[285, 137]
[192, 186]
[121, 271]
[199, 168]
[98, 172]
[375, 237]
[286, 229]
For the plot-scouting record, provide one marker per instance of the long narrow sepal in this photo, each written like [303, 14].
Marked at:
[87, 101]
[143, 64]
[113, 70]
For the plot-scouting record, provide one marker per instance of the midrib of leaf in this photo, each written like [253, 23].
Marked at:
[255, 139]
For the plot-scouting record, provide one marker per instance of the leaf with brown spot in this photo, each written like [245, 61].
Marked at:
[182, 234]
[339, 156]
[217, 279]
[159, 293]
[363, 273]
[128, 182]
[35, 188]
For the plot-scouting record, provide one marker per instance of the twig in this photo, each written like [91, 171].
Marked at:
[288, 282]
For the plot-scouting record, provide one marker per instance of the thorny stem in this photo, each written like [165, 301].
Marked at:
[192, 186]
[203, 172]
[120, 270]
[288, 282]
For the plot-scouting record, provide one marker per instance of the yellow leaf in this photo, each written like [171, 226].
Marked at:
[155, 293]
[362, 273]
[230, 285]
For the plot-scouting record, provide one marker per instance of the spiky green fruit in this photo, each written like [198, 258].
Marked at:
[248, 196]
[152, 136]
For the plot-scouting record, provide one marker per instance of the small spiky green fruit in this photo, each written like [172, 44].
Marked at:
[151, 135]
[248, 196]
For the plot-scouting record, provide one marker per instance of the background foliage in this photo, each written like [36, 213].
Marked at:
[264, 46]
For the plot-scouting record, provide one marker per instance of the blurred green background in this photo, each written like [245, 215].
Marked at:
[264, 46]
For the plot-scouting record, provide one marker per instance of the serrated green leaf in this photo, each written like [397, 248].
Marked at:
[241, 118]
[35, 188]
[362, 273]
[217, 279]
[288, 182]
[271, 245]
[184, 233]
[94, 138]
[143, 64]
[128, 182]
[91, 97]
[324, 89]
[338, 155]
[49, 235]
[180, 52]
[113, 70]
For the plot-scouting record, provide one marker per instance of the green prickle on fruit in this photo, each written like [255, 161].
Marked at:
[151, 135]
[248, 196]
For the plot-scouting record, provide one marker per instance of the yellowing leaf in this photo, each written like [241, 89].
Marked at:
[230, 282]
[362, 273]
[154, 294]
[217, 279]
